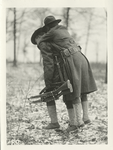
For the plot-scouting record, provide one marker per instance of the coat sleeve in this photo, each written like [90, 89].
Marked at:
[48, 36]
[48, 63]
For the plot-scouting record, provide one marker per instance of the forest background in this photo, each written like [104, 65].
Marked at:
[88, 27]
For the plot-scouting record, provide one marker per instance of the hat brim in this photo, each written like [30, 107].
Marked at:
[36, 32]
[57, 21]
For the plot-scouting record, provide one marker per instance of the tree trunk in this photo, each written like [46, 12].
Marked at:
[88, 33]
[106, 73]
[97, 50]
[14, 32]
[19, 34]
[67, 17]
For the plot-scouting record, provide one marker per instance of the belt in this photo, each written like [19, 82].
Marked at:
[70, 51]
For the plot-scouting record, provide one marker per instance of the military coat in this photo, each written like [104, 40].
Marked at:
[79, 69]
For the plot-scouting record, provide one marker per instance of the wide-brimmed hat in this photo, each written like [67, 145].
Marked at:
[50, 19]
[36, 33]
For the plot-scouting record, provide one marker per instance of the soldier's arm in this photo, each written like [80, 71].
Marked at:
[48, 63]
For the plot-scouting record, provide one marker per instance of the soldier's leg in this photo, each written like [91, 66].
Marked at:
[71, 114]
[72, 119]
[77, 110]
[51, 107]
[85, 106]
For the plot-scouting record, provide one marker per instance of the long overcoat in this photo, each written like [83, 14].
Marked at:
[79, 70]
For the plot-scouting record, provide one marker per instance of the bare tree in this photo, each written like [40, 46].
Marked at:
[92, 21]
[24, 50]
[39, 13]
[71, 17]
[88, 31]
[20, 22]
[14, 32]
[9, 24]
[11, 30]
[87, 14]
[106, 74]
[96, 49]
[66, 16]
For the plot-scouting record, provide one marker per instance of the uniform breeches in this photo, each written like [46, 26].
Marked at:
[69, 103]
[84, 97]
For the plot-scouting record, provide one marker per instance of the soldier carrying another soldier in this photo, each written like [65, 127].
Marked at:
[54, 39]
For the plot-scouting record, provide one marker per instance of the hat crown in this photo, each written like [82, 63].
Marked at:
[49, 19]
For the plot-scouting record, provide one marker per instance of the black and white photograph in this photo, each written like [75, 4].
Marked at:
[56, 75]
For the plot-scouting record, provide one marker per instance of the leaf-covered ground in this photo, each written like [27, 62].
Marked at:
[25, 121]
